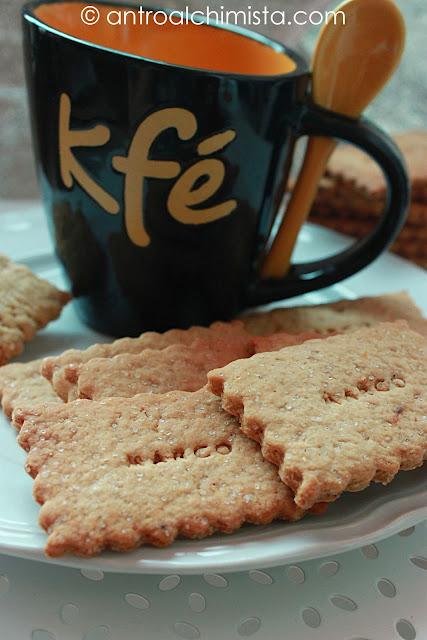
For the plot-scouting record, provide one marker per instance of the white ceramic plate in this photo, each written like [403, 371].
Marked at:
[354, 520]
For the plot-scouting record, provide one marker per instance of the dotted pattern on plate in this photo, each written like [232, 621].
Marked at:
[378, 592]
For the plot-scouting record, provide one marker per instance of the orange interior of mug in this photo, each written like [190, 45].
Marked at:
[138, 32]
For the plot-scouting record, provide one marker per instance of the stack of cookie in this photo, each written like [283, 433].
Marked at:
[352, 194]
[129, 443]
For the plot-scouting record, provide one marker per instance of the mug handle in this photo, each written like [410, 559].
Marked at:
[309, 276]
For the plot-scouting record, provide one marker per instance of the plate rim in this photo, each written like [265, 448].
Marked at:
[116, 562]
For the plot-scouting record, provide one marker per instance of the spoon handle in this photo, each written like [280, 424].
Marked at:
[304, 192]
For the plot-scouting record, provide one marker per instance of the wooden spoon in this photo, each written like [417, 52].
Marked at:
[351, 64]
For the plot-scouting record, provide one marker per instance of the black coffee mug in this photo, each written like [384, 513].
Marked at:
[163, 153]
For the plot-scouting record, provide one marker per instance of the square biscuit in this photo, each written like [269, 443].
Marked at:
[27, 304]
[121, 473]
[338, 317]
[336, 414]
[62, 370]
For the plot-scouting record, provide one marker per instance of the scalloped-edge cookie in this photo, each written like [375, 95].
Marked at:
[336, 414]
[277, 341]
[22, 385]
[122, 472]
[179, 367]
[27, 304]
[63, 370]
[350, 168]
[338, 317]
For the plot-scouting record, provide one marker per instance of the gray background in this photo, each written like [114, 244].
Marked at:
[402, 105]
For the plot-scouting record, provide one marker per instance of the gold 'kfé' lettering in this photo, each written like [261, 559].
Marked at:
[70, 168]
[195, 185]
[137, 166]
[183, 195]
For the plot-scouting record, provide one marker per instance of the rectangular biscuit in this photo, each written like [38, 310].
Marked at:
[338, 317]
[352, 192]
[410, 244]
[121, 473]
[277, 341]
[27, 304]
[339, 208]
[178, 367]
[61, 370]
[410, 234]
[335, 414]
[22, 385]
[352, 166]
